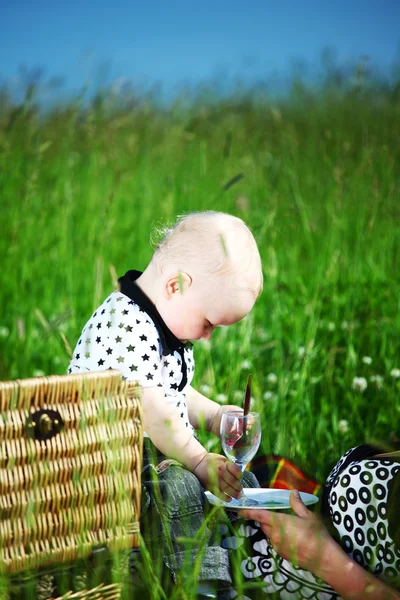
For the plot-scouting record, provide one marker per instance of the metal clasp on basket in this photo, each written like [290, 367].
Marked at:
[44, 424]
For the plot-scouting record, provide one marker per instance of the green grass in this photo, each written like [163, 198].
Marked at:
[82, 192]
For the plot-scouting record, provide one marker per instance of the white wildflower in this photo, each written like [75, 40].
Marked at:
[359, 384]
[221, 398]
[343, 426]
[205, 389]
[378, 379]
[4, 331]
[331, 326]
[38, 373]
[272, 378]
[367, 360]
[345, 325]
[301, 352]
[246, 364]
[395, 373]
[269, 396]
[262, 334]
[57, 360]
[238, 395]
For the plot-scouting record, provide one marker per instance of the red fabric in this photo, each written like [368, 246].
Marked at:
[273, 471]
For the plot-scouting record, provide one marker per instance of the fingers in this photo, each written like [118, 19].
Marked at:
[234, 470]
[264, 517]
[229, 480]
[298, 506]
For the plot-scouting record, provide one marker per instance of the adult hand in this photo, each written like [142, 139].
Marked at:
[302, 539]
[219, 476]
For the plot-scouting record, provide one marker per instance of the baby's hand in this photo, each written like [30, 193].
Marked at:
[219, 476]
[216, 421]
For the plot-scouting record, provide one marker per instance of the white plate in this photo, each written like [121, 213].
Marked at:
[266, 498]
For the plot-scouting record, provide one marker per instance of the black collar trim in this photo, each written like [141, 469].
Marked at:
[128, 287]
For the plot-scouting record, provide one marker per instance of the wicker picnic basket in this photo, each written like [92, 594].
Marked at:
[70, 470]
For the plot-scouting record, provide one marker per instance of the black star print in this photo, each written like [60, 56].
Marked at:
[178, 404]
[94, 314]
[159, 385]
[101, 362]
[123, 377]
[137, 322]
[131, 302]
[120, 359]
[147, 321]
[155, 367]
[112, 311]
[119, 298]
[103, 311]
[171, 373]
[77, 356]
[182, 415]
[80, 342]
[109, 324]
[130, 348]
[128, 328]
[98, 325]
[153, 347]
[145, 357]
[98, 340]
[174, 386]
[91, 326]
[143, 338]
[125, 312]
[109, 300]
[118, 339]
[109, 351]
[166, 363]
[179, 363]
[133, 368]
[149, 376]
[121, 325]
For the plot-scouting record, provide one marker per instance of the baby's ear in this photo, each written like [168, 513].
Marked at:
[179, 283]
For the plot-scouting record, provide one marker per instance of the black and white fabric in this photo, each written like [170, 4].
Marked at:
[128, 334]
[361, 498]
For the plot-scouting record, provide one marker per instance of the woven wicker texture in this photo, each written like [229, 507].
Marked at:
[101, 592]
[70, 468]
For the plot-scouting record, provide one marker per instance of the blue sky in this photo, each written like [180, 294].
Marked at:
[173, 42]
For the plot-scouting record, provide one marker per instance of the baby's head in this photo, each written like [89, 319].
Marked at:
[209, 272]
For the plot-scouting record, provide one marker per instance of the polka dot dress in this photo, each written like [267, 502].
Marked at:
[121, 335]
[356, 499]
[359, 512]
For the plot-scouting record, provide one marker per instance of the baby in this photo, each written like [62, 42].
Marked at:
[205, 273]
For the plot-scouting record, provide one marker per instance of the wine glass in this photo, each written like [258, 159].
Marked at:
[240, 439]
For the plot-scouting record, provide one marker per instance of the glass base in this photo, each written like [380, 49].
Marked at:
[243, 501]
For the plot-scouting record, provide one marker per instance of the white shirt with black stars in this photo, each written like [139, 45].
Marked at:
[121, 335]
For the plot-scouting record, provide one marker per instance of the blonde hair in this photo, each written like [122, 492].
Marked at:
[215, 243]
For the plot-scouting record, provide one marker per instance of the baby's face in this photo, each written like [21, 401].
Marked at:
[193, 313]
